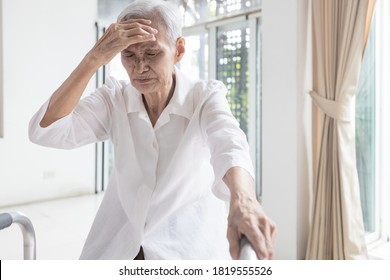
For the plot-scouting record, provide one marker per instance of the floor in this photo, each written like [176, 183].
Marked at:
[61, 227]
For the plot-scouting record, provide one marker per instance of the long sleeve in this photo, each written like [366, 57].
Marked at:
[227, 142]
[89, 122]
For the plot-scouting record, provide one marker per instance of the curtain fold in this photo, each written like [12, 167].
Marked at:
[337, 230]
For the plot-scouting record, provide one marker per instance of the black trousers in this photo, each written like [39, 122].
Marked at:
[140, 255]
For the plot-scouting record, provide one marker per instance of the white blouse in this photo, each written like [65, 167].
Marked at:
[162, 194]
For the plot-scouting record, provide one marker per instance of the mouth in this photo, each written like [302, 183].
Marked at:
[143, 80]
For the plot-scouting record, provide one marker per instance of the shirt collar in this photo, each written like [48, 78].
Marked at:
[180, 104]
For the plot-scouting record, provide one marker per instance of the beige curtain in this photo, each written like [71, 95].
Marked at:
[338, 42]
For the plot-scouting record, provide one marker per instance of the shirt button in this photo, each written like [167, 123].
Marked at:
[154, 144]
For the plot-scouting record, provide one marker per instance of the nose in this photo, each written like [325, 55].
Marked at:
[141, 66]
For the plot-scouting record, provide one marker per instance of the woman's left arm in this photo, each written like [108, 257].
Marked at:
[233, 181]
[246, 216]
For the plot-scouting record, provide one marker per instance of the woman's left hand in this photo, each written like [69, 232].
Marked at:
[246, 216]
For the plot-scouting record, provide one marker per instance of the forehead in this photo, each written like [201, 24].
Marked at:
[161, 42]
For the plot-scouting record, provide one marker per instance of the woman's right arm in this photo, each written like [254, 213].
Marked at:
[117, 38]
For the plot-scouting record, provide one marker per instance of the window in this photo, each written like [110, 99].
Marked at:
[196, 56]
[365, 133]
[373, 128]
[196, 11]
[232, 69]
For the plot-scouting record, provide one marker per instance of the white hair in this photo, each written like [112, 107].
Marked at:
[162, 11]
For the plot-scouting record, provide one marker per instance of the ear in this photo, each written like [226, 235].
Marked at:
[180, 48]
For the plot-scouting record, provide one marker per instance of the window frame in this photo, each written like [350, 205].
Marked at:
[381, 236]
[383, 105]
[102, 149]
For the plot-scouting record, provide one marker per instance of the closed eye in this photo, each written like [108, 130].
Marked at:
[127, 54]
[151, 54]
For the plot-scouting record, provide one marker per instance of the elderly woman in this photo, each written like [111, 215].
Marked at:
[179, 152]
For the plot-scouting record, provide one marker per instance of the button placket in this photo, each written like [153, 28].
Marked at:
[155, 144]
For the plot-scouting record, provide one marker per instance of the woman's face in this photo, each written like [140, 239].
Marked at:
[150, 64]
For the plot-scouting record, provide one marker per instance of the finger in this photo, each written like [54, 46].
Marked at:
[273, 233]
[139, 20]
[133, 28]
[139, 26]
[234, 243]
[139, 39]
[139, 30]
[138, 33]
[268, 232]
[259, 244]
[129, 37]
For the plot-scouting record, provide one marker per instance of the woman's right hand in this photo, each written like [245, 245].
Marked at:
[119, 36]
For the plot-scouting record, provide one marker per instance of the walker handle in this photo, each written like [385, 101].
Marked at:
[28, 232]
[246, 250]
[5, 220]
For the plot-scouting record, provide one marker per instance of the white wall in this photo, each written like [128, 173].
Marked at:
[286, 126]
[43, 40]
[1, 69]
